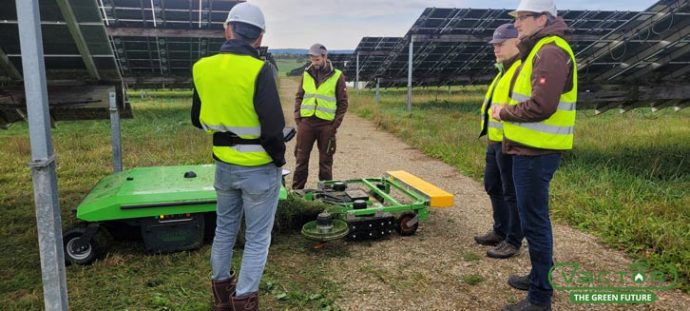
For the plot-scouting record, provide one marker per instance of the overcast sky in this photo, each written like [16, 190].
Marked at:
[341, 24]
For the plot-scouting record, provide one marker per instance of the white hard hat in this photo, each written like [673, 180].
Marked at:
[247, 13]
[536, 6]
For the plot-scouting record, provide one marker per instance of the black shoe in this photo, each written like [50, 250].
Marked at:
[525, 305]
[491, 238]
[503, 250]
[519, 282]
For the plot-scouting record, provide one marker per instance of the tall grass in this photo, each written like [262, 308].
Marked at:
[128, 278]
[627, 179]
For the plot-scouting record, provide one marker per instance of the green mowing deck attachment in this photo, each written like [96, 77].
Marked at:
[374, 207]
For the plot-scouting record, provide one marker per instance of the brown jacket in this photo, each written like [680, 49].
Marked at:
[320, 76]
[551, 76]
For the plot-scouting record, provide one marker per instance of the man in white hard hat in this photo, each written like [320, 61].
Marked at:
[506, 233]
[538, 125]
[236, 99]
[320, 106]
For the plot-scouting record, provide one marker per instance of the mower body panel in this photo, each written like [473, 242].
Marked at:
[152, 192]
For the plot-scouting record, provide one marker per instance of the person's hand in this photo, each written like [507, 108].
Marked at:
[496, 112]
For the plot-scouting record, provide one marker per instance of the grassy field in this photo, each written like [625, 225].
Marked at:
[128, 278]
[285, 65]
[627, 180]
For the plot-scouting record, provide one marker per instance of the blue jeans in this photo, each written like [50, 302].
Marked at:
[252, 191]
[532, 176]
[498, 182]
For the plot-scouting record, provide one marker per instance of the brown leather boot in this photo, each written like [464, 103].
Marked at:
[222, 290]
[246, 303]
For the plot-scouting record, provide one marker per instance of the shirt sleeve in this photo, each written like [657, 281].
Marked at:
[196, 109]
[270, 112]
[298, 98]
[342, 101]
[551, 69]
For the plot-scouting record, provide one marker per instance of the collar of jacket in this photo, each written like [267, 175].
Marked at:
[504, 65]
[555, 28]
[240, 47]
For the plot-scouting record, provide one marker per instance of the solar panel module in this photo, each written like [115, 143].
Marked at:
[81, 67]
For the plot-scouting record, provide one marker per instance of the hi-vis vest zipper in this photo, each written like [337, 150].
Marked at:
[498, 94]
[226, 84]
[556, 132]
[319, 101]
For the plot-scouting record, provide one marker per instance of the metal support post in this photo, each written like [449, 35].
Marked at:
[115, 132]
[357, 72]
[409, 75]
[48, 220]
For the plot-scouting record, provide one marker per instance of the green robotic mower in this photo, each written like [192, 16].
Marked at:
[172, 208]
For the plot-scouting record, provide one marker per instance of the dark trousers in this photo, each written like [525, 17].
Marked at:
[308, 131]
[532, 176]
[498, 182]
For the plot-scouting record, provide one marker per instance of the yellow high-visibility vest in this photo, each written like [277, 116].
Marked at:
[319, 101]
[556, 132]
[498, 94]
[225, 84]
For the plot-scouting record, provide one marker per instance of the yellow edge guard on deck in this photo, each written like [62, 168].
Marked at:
[437, 196]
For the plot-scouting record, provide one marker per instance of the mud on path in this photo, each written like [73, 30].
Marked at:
[428, 271]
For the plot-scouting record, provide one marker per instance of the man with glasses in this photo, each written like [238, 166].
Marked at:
[538, 125]
[320, 106]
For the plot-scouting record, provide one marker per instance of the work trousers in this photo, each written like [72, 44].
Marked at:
[310, 130]
[252, 192]
[498, 183]
[532, 176]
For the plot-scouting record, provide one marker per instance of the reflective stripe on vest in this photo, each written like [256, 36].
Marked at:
[225, 84]
[498, 94]
[320, 102]
[556, 132]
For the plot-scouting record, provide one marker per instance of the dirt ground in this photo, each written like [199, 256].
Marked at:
[427, 271]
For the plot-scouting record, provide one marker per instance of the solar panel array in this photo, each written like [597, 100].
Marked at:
[80, 65]
[450, 45]
[62, 56]
[625, 57]
[157, 42]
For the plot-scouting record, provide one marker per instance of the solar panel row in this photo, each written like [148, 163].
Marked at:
[627, 58]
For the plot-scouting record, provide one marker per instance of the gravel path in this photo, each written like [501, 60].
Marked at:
[426, 271]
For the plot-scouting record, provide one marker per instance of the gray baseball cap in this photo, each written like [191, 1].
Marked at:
[317, 49]
[503, 33]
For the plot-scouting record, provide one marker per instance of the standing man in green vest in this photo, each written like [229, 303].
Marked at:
[236, 100]
[538, 125]
[506, 234]
[320, 107]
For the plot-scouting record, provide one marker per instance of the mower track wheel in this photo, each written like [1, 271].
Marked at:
[407, 224]
[78, 251]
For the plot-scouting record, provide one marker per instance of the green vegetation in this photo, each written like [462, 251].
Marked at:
[472, 279]
[296, 277]
[285, 65]
[627, 180]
